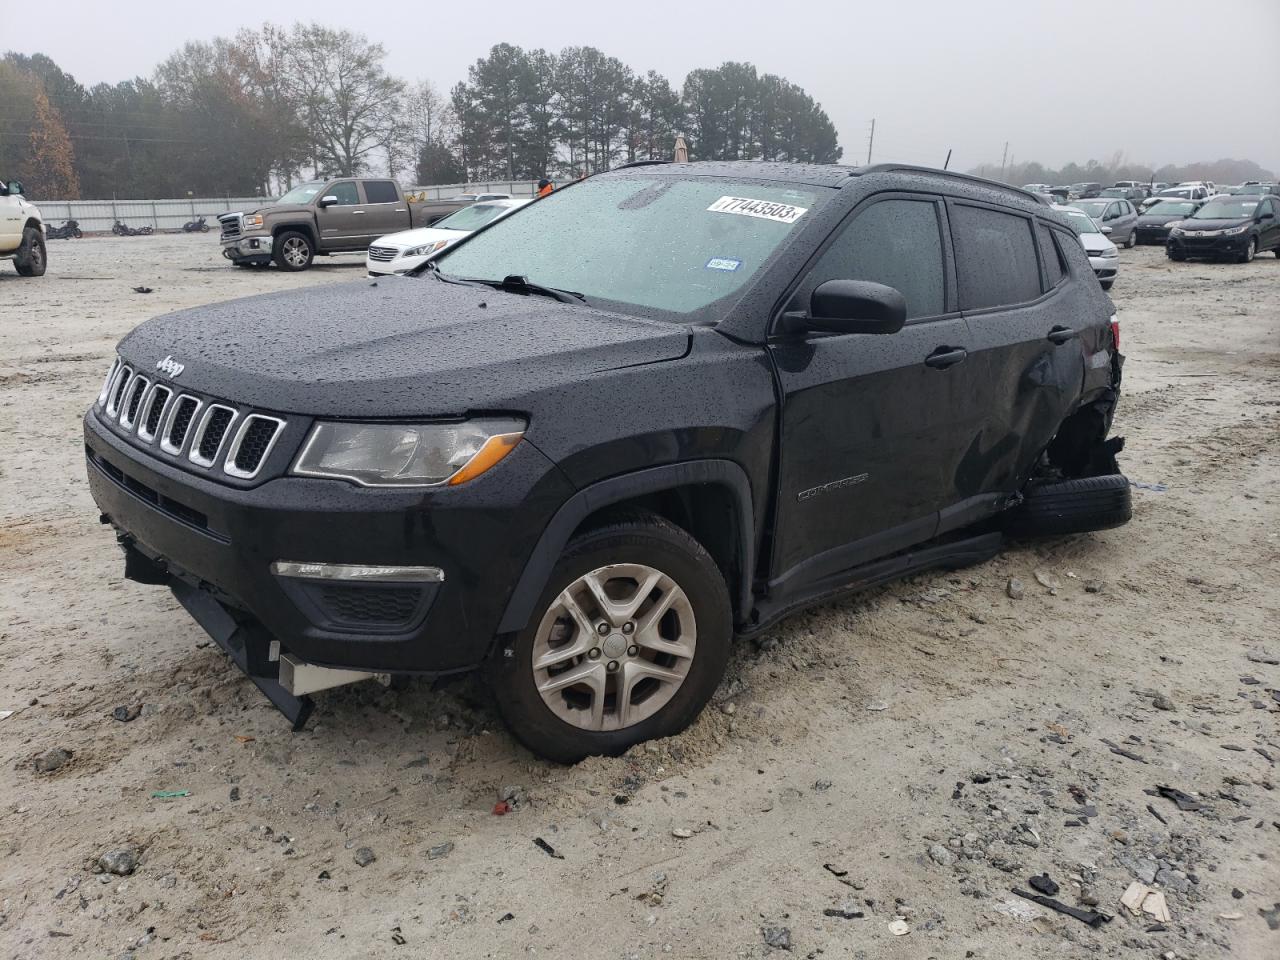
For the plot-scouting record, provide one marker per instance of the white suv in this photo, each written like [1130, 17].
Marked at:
[21, 231]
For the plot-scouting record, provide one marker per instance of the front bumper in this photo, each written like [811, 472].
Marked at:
[1222, 246]
[1105, 268]
[1152, 234]
[247, 249]
[222, 540]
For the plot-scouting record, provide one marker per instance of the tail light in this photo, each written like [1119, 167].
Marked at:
[1115, 332]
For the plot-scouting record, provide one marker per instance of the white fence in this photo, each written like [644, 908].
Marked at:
[95, 216]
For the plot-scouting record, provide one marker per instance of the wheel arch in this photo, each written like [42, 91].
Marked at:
[698, 496]
[34, 222]
[300, 226]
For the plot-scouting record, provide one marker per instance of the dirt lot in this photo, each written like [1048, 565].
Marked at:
[938, 740]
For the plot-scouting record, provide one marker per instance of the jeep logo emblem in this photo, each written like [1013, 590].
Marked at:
[170, 367]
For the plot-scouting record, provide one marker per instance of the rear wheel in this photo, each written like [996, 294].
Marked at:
[293, 251]
[1132, 240]
[1071, 506]
[30, 259]
[628, 642]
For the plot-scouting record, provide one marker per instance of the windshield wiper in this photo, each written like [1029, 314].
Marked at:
[518, 284]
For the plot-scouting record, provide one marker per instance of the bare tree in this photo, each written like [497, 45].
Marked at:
[349, 102]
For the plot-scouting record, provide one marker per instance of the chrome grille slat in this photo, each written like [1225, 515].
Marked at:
[153, 414]
[252, 445]
[211, 433]
[133, 402]
[117, 390]
[382, 254]
[183, 414]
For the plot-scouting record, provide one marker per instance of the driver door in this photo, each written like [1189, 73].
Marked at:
[874, 427]
[342, 223]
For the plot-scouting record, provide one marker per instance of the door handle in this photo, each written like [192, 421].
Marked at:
[945, 357]
[354, 212]
[1060, 335]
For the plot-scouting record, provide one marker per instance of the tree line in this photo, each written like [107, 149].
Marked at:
[253, 113]
[1117, 167]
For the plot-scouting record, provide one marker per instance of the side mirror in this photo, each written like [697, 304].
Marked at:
[1106, 229]
[328, 201]
[850, 306]
[15, 188]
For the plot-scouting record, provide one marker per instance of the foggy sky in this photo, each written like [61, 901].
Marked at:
[1058, 80]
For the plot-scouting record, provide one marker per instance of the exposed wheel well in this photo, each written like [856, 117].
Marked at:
[706, 512]
[32, 222]
[302, 228]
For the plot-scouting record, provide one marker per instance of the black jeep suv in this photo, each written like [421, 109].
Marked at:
[664, 406]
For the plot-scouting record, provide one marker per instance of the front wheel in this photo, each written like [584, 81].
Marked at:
[1177, 255]
[628, 642]
[1250, 251]
[31, 259]
[293, 251]
[204, 228]
[1106, 284]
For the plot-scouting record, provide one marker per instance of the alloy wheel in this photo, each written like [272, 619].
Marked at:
[295, 252]
[614, 647]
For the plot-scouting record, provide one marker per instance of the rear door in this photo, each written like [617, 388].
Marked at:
[1268, 212]
[385, 211]
[1023, 306]
[873, 426]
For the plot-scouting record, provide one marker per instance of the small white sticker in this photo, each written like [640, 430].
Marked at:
[723, 263]
[762, 209]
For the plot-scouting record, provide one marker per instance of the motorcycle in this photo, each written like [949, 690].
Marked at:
[68, 231]
[195, 226]
[124, 230]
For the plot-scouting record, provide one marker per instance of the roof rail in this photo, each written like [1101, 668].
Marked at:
[640, 163]
[967, 177]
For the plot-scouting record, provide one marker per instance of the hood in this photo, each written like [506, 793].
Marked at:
[1190, 223]
[400, 347]
[1160, 219]
[278, 208]
[1095, 243]
[418, 236]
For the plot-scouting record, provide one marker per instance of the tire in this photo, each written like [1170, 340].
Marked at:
[1250, 252]
[1177, 255]
[79, 234]
[670, 689]
[32, 257]
[293, 251]
[1106, 284]
[1132, 240]
[204, 228]
[1071, 506]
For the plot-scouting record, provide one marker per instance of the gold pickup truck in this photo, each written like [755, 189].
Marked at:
[321, 217]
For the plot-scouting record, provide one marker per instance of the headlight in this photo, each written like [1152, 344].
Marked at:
[425, 250]
[253, 220]
[1175, 229]
[407, 454]
[1236, 231]
[1110, 252]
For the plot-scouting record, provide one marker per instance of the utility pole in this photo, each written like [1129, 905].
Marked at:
[948, 161]
[1004, 158]
[871, 140]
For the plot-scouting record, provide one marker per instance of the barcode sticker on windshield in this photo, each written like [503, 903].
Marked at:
[763, 209]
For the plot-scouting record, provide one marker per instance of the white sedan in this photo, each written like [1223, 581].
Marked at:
[1103, 255]
[401, 252]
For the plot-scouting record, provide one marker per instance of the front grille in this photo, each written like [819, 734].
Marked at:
[370, 605]
[210, 434]
[188, 515]
[180, 424]
[230, 226]
[383, 254]
[253, 442]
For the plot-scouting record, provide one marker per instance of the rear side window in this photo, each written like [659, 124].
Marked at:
[1055, 267]
[894, 242]
[995, 257]
[380, 191]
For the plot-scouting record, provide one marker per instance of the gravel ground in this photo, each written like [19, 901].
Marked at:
[894, 762]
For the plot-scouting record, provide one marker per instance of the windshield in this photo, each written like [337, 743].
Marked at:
[1093, 208]
[471, 218]
[1171, 208]
[1226, 210]
[1080, 223]
[659, 244]
[302, 193]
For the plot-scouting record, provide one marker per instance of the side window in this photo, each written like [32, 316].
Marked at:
[346, 193]
[894, 242]
[380, 191]
[995, 257]
[1055, 267]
